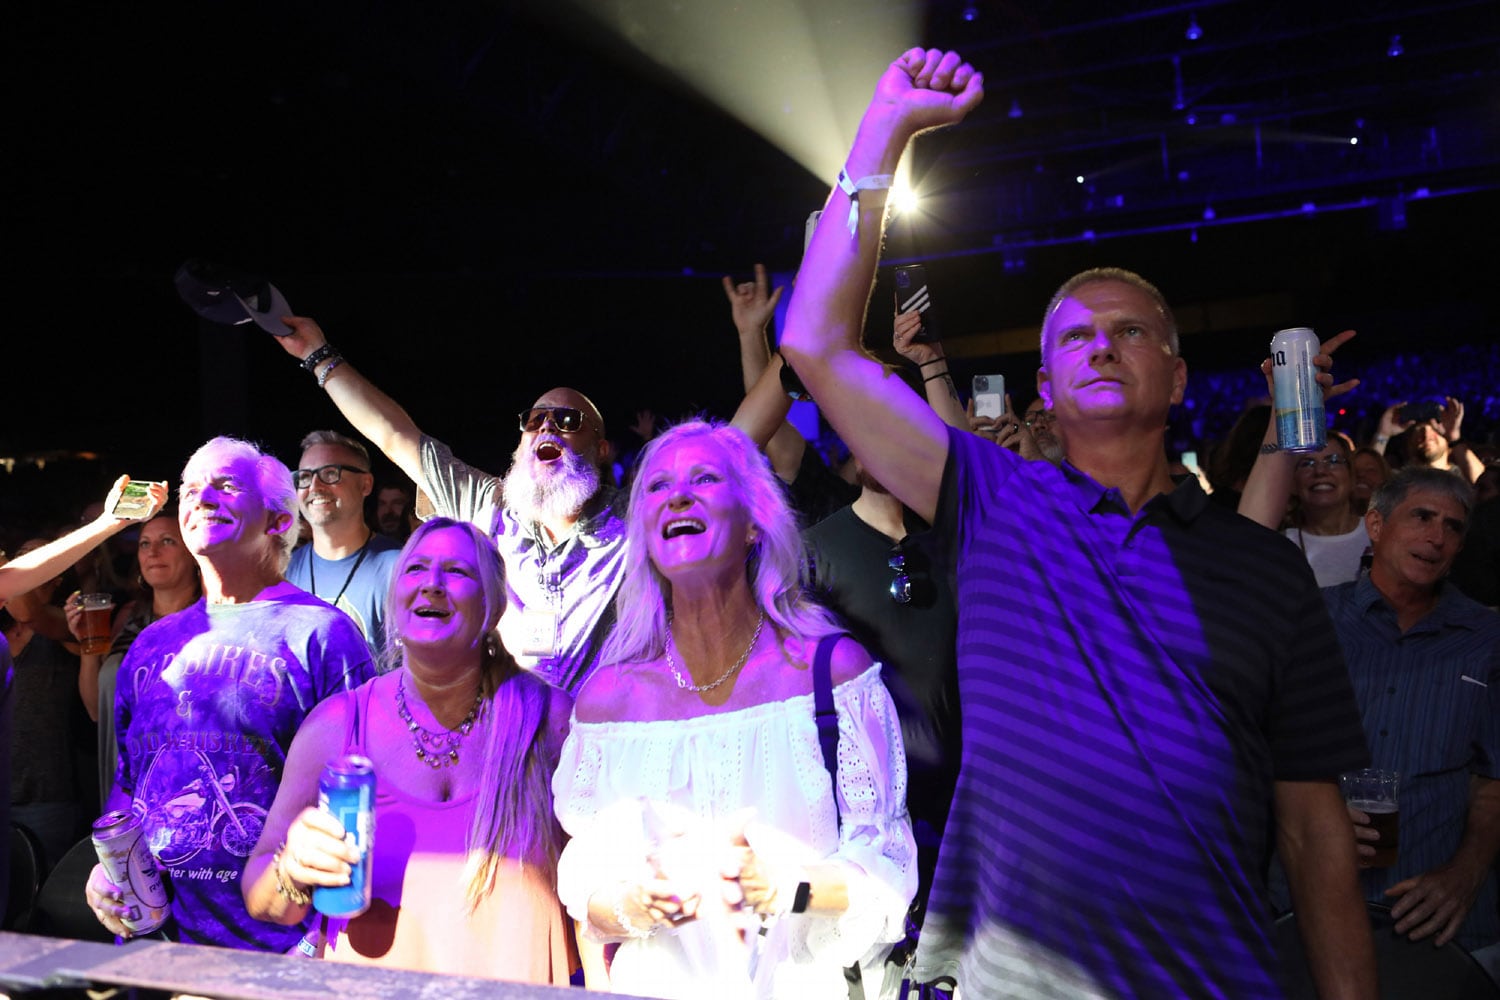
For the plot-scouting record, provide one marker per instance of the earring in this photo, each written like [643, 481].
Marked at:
[398, 641]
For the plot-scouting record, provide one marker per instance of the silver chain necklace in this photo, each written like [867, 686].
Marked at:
[436, 750]
[733, 669]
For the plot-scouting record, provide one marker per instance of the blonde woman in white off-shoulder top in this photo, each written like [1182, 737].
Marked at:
[708, 850]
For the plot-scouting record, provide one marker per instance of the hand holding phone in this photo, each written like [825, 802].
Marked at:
[1419, 413]
[914, 295]
[136, 500]
[989, 396]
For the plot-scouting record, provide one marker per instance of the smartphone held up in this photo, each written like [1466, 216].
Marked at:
[913, 293]
[989, 396]
[134, 501]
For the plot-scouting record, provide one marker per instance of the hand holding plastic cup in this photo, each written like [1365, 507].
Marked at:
[1372, 791]
[98, 611]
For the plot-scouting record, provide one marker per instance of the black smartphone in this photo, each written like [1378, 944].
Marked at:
[1419, 412]
[912, 292]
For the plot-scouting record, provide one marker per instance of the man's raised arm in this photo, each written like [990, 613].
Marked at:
[371, 412]
[892, 431]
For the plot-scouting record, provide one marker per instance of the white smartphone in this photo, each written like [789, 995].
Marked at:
[989, 395]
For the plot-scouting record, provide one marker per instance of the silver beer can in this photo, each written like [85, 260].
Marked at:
[130, 865]
[1300, 423]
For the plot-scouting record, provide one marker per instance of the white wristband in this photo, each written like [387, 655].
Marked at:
[852, 188]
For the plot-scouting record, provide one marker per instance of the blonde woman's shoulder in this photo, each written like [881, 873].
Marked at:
[850, 659]
[609, 691]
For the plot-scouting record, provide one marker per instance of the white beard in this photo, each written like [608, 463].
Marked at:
[561, 495]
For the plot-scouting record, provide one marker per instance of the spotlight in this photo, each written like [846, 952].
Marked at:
[971, 13]
[1194, 32]
[1079, 178]
[1015, 108]
[1208, 213]
[1354, 140]
[1395, 48]
[903, 199]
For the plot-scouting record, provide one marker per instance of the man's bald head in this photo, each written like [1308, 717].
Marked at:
[563, 396]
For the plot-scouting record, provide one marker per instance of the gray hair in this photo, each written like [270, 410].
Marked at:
[273, 483]
[1414, 478]
[337, 440]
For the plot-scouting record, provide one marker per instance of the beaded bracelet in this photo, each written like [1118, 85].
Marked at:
[333, 363]
[287, 889]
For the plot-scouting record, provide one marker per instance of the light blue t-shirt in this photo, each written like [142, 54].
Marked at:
[363, 599]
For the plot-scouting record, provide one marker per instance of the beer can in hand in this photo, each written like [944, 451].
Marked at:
[346, 791]
[130, 865]
[1300, 425]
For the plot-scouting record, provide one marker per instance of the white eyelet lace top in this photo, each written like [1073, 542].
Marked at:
[619, 780]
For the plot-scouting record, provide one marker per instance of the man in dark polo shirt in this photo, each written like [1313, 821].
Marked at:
[1150, 686]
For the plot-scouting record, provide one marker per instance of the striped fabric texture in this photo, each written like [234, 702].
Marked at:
[1131, 687]
[1430, 698]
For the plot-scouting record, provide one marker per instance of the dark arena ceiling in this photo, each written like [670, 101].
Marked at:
[466, 176]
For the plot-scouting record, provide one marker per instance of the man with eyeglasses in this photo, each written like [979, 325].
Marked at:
[345, 563]
[554, 517]
[1151, 692]
[1041, 426]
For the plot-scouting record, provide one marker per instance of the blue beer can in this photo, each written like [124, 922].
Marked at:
[1300, 424]
[346, 791]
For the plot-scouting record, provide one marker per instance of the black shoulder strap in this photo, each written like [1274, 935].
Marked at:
[826, 715]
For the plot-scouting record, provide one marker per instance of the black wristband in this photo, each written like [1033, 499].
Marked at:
[934, 361]
[317, 357]
[942, 374]
[802, 898]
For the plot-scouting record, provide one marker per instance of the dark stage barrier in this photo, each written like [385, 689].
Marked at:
[29, 962]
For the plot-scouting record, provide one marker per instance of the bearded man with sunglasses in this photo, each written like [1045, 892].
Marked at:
[555, 516]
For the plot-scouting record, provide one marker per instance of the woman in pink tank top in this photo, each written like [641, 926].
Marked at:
[464, 744]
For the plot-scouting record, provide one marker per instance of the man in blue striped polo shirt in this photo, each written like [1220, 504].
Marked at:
[1150, 687]
[1425, 661]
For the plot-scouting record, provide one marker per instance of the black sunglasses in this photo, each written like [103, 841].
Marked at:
[565, 418]
[912, 584]
[329, 474]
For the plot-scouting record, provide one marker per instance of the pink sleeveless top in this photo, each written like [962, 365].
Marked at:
[418, 919]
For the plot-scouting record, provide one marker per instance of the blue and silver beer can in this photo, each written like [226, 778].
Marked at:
[1300, 425]
[346, 791]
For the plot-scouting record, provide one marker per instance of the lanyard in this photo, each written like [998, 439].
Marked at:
[312, 572]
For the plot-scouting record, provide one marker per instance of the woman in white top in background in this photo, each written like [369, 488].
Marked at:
[1325, 522]
[707, 846]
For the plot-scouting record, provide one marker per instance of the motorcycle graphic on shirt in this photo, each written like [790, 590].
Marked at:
[206, 810]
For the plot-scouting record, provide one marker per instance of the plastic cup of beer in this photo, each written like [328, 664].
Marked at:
[1373, 792]
[98, 609]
